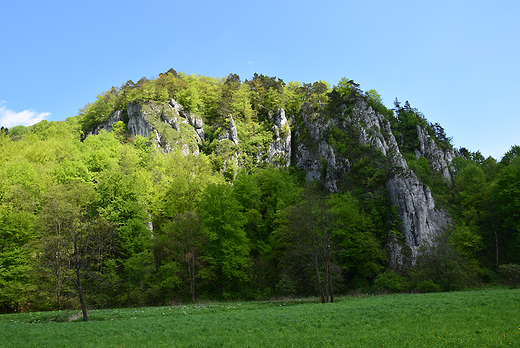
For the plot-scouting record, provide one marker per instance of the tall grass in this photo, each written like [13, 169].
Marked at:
[465, 319]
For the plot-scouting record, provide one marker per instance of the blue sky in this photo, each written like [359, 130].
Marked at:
[456, 61]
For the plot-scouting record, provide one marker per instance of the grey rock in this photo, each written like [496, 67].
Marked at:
[230, 133]
[416, 206]
[375, 130]
[439, 159]
[279, 152]
[137, 123]
[182, 135]
[109, 123]
[194, 120]
[317, 156]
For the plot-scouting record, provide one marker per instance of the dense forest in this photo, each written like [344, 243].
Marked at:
[90, 218]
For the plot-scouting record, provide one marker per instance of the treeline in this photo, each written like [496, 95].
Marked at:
[113, 221]
[125, 224]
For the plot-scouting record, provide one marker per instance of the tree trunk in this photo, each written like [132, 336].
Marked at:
[81, 298]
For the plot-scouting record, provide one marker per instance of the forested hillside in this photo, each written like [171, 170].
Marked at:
[185, 187]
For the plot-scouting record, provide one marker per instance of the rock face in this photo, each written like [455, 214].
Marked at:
[168, 125]
[279, 152]
[109, 123]
[137, 123]
[421, 220]
[439, 159]
[230, 133]
[308, 146]
[193, 120]
[315, 155]
[376, 131]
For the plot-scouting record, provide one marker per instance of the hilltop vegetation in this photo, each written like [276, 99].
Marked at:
[115, 220]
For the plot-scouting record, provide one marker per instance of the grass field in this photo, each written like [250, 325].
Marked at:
[486, 318]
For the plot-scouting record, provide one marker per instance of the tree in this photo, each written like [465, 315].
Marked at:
[227, 254]
[361, 254]
[184, 238]
[511, 274]
[348, 88]
[307, 231]
[17, 233]
[442, 262]
[510, 155]
[74, 242]
[505, 194]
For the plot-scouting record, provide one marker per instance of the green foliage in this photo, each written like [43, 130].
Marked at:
[443, 263]
[505, 194]
[17, 229]
[95, 113]
[348, 88]
[511, 274]
[510, 155]
[362, 253]
[223, 221]
[405, 126]
[181, 234]
[389, 281]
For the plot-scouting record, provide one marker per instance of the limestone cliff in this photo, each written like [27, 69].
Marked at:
[279, 152]
[168, 125]
[308, 143]
[314, 154]
[421, 218]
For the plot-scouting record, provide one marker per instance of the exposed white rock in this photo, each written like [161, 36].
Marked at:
[279, 152]
[439, 159]
[320, 157]
[109, 123]
[230, 133]
[376, 131]
[137, 123]
[194, 120]
[416, 206]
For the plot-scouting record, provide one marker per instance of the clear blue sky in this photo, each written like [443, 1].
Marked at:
[456, 61]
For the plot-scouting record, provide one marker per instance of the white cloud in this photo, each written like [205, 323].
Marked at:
[10, 118]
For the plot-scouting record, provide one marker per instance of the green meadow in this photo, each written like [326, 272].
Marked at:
[477, 318]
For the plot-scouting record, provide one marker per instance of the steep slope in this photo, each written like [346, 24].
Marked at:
[167, 123]
[340, 143]
[420, 217]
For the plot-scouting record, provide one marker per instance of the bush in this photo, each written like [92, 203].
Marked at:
[427, 286]
[510, 274]
[389, 281]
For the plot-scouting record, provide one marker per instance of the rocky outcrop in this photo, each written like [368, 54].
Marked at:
[108, 124]
[168, 125]
[375, 130]
[193, 120]
[421, 219]
[230, 133]
[438, 158]
[279, 152]
[137, 123]
[315, 155]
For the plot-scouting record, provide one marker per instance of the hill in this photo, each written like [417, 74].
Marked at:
[184, 186]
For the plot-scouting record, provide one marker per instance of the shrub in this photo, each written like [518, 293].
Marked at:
[510, 274]
[389, 281]
[427, 286]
